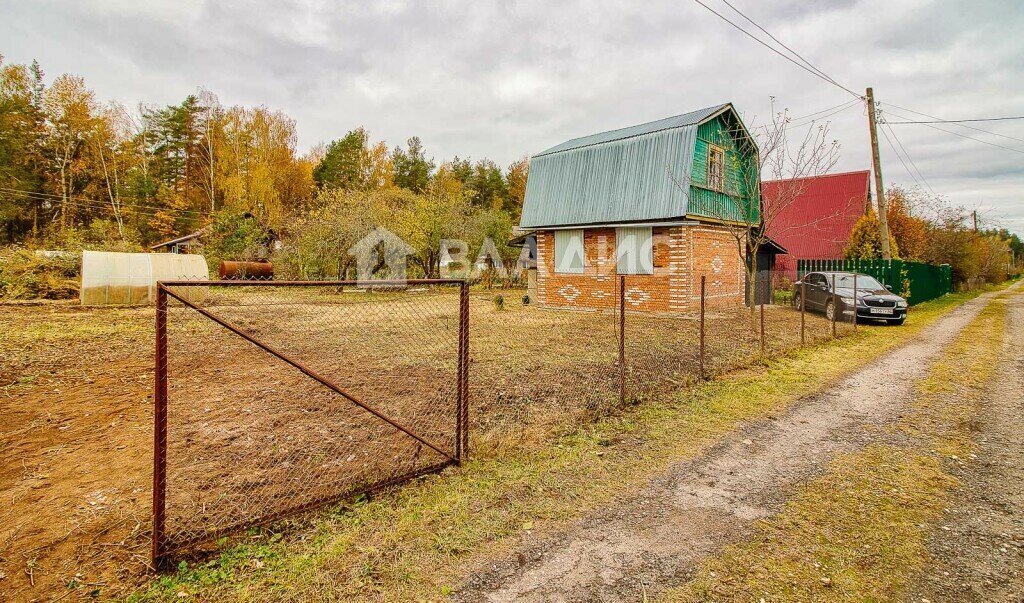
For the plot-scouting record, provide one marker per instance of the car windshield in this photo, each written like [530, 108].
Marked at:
[863, 282]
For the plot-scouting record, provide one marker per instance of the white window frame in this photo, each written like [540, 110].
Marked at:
[569, 255]
[634, 250]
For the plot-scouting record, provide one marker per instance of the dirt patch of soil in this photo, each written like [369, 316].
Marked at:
[655, 539]
[978, 549]
[250, 436]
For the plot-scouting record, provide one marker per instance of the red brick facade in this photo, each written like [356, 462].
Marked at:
[682, 254]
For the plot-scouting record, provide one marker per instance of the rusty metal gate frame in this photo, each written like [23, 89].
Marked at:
[160, 551]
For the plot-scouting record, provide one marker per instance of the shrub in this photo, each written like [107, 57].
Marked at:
[27, 274]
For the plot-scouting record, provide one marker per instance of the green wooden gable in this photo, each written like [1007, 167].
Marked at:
[651, 172]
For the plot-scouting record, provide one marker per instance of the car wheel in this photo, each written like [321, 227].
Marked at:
[830, 309]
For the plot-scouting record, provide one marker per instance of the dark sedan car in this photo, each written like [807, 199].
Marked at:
[874, 301]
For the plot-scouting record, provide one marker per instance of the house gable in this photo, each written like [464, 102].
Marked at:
[637, 174]
[737, 199]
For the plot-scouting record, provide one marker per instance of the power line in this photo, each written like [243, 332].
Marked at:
[954, 122]
[793, 52]
[850, 105]
[97, 204]
[917, 181]
[840, 106]
[934, 127]
[909, 158]
[52, 197]
[776, 51]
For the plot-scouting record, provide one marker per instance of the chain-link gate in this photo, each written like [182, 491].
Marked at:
[277, 397]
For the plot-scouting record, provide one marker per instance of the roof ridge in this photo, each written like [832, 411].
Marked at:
[830, 175]
[713, 109]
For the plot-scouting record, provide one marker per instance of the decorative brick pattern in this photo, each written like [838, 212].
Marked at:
[681, 255]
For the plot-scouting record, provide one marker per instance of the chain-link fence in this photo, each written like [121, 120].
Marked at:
[275, 397]
[281, 397]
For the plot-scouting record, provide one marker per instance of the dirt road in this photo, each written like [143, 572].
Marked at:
[655, 539]
[979, 548]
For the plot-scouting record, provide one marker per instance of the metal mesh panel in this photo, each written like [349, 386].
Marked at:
[285, 397]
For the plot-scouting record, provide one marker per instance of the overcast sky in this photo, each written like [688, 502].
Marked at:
[507, 79]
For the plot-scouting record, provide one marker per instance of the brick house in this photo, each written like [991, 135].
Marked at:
[660, 203]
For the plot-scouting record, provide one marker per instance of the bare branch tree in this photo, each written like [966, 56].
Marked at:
[790, 160]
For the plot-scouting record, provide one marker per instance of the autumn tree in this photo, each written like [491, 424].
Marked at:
[516, 176]
[866, 239]
[21, 129]
[909, 232]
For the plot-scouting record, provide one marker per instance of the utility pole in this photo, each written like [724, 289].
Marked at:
[974, 214]
[879, 190]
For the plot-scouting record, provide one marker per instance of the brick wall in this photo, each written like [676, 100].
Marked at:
[681, 255]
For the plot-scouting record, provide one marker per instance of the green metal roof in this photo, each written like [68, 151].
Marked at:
[626, 175]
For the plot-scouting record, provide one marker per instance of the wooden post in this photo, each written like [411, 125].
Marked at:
[803, 304]
[762, 329]
[701, 353]
[835, 305]
[877, 162]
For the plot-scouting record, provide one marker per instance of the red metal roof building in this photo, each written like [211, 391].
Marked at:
[815, 216]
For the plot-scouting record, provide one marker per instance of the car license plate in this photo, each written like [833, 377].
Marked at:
[881, 310]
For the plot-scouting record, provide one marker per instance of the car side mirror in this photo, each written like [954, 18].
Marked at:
[889, 288]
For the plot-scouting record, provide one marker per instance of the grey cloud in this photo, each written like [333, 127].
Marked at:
[504, 79]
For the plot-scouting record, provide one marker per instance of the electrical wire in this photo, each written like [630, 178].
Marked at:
[38, 196]
[96, 204]
[953, 122]
[853, 104]
[793, 52]
[934, 127]
[842, 106]
[776, 51]
[904, 163]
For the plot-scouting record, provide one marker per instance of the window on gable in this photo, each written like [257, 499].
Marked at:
[634, 250]
[569, 251]
[716, 168]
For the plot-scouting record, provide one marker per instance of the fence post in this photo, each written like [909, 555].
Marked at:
[854, 299]
[622, 340]
[803, 303]
[462, 404]
[703, 278]
[762, 329]
[160, 430]
[835, 305]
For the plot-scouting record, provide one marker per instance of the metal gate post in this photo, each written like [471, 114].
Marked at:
[622, 340]
[854, 299]
[703, 278]
[160, 430]
[803, 304]
[835, 306]
[462, 404]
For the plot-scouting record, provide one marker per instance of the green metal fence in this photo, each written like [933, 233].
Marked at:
[915, 281]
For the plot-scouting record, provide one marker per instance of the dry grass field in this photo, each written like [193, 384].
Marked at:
[250, 435]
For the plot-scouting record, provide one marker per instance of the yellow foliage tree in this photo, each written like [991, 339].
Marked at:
[866, 239]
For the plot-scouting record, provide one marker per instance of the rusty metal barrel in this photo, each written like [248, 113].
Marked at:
[232, 270]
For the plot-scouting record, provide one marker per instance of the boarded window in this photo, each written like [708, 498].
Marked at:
[634, 251]
[569, 251]
[716, 168]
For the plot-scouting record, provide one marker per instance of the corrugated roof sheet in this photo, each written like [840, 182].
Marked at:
[626, 175]
[818, 222]
[668, 123]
